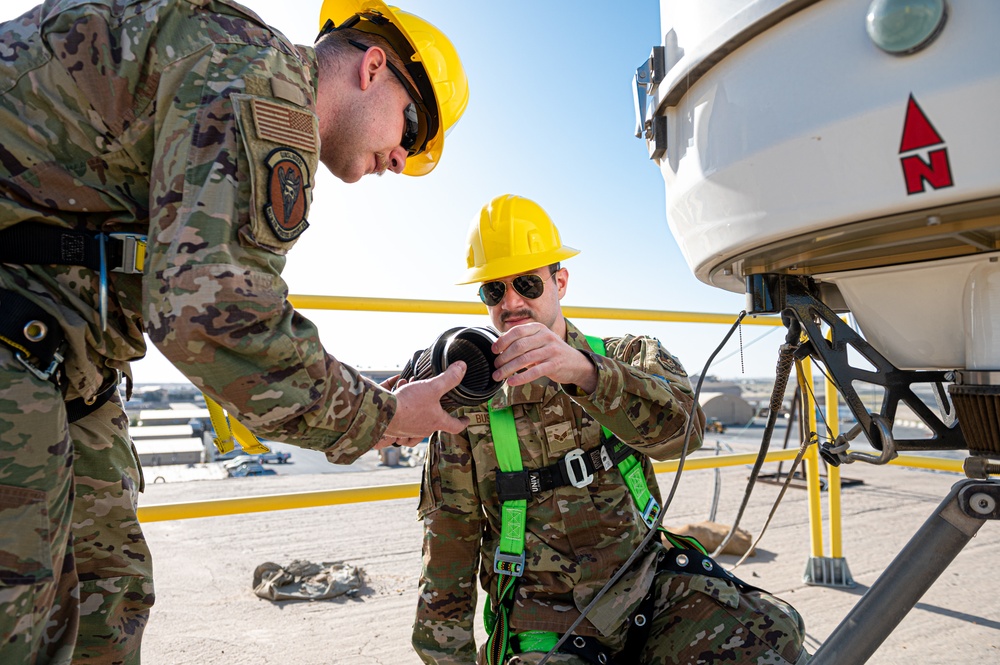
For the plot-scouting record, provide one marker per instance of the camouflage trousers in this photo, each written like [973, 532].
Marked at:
[75, 573]
[703, 620]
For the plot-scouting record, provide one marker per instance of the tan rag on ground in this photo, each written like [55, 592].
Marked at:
[711, 534]
[305, 580]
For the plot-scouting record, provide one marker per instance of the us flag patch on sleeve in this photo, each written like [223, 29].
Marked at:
[284, 125]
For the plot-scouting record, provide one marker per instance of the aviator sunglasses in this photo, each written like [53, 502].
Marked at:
[529, 286]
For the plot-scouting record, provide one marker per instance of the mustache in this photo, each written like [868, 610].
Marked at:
[381, 163]
[516, 314]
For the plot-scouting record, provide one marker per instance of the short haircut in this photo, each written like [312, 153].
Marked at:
[334, 44]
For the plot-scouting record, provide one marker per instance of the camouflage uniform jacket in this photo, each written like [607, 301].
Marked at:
[575, 538]
[193, 122]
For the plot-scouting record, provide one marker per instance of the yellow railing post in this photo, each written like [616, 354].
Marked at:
[822, 570]
[833, 472]
[812, 462]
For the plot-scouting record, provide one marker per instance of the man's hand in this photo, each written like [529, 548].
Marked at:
[418, 409]
[539, 352]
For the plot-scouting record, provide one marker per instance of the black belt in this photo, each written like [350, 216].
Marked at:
[78, 408]
[32, 243]
[576, 468]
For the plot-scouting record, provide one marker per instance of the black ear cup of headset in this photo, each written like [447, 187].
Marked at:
[471, 345]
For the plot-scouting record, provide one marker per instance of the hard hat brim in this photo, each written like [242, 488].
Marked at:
[516, 265]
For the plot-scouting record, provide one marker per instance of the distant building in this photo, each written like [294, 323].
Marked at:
[171, 436]
[726, 408]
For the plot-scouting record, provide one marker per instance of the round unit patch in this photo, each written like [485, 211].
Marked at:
[287, 204]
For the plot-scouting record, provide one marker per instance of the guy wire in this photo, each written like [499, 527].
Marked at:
[786, 356]
[806, 442]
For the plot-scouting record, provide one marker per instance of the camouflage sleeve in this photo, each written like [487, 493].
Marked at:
[221, 223]
[644, 396]
[449, 507]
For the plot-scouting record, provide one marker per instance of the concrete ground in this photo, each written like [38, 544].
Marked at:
[206, 612]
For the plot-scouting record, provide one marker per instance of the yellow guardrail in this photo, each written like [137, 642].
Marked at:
[288, 501]
[350, 303]
[268, 502]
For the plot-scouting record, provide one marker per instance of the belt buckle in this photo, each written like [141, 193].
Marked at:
[650, 512]
[133, 252]
[576, 469]
[516, 561]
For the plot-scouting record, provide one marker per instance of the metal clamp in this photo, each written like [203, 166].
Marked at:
[516, 561]
[43, 374]
[576, 469]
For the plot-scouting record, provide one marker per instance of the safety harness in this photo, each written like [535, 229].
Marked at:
[515, 486]
[38, 340]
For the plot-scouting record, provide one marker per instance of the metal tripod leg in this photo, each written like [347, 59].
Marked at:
[931, 550]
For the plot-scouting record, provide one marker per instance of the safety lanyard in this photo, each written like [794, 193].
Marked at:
[508, 560]
[229, 431]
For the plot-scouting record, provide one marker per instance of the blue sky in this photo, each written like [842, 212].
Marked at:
[550, 117]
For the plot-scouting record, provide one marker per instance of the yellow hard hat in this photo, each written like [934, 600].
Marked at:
[512, 235]
[431, 60]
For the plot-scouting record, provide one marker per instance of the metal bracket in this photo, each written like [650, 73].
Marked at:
[829, 572]
[793, 296]
[648, 125]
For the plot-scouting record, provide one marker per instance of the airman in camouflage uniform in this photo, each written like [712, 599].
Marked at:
[192, 122]
[576, 537]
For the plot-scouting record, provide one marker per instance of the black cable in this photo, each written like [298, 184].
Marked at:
[663, 510]
[786, 357]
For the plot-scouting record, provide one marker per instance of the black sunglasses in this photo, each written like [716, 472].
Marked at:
[529, 286]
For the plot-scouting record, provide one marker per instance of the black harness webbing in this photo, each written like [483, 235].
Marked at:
[693, 562]
[78, 408]
[514, 485]
[34, 334]
[37, 340]
[32, 243]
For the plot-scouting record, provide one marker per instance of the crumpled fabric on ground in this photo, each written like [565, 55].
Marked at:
[305, 580]
[711, 535]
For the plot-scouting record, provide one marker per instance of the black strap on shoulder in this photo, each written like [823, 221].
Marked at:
[515, 485]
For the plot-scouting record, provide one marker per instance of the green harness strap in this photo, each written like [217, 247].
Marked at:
[508, 560]
[630, 467]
